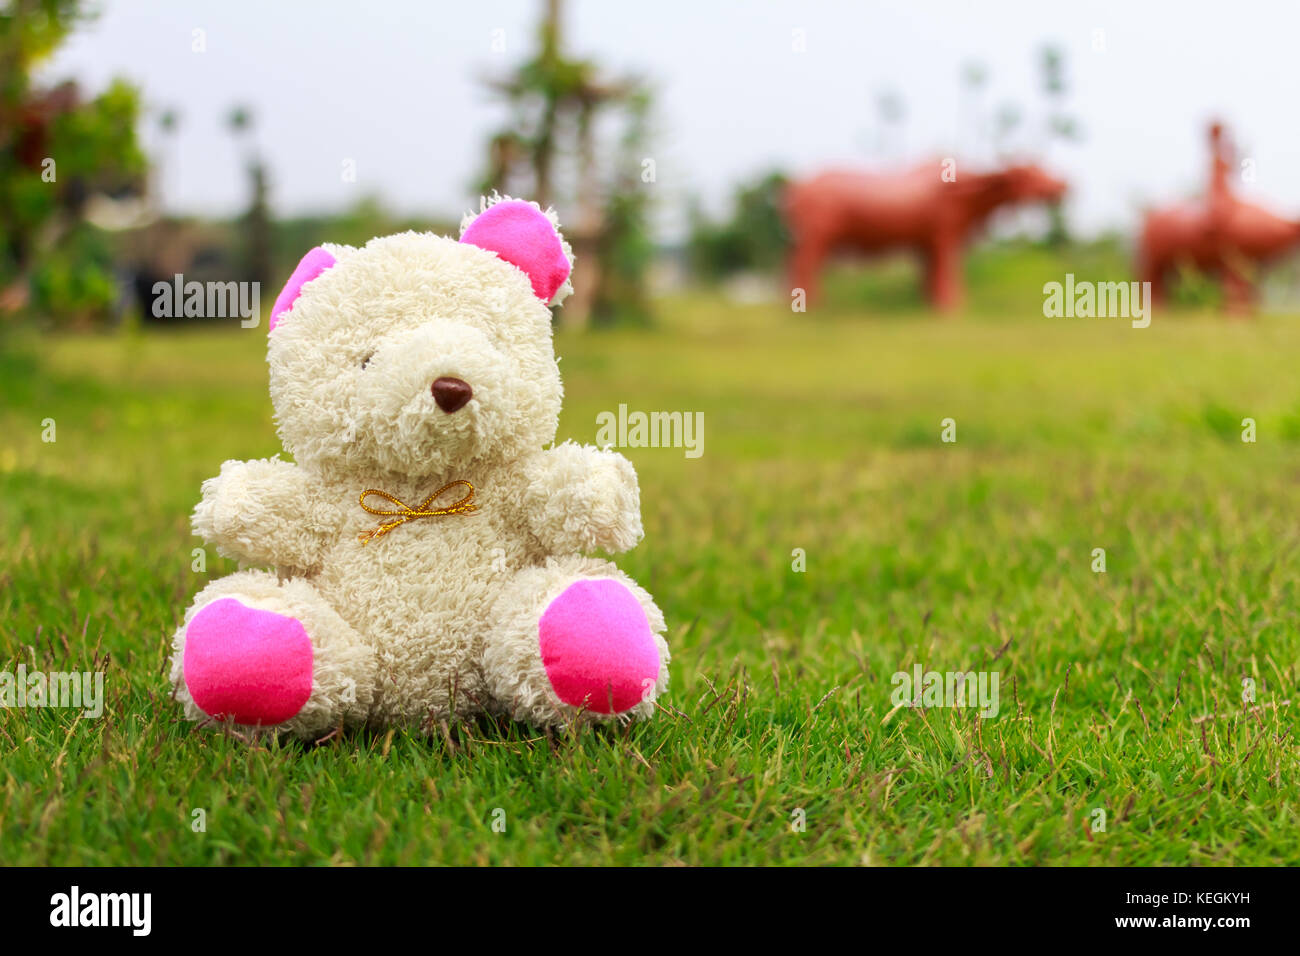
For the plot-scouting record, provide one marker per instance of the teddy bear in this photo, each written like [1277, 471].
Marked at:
[429, 552]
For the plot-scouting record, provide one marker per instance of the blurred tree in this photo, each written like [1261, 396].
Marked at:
[624, 246]
[891, 112]
[240, 120]
[754, 239]
[57, 152]
[256, 222]
[555, 105]
[974, 75]
[169, 124]
[1060, 125]
[1005, 122]
[974, 79]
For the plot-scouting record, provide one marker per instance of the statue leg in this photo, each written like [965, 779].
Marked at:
[1238, 291]
[943, 274]
[806, 261]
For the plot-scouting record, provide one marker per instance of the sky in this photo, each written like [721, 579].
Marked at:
[395, 88]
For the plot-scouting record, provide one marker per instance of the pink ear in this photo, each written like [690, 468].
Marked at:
[312, 265]
[520, 233]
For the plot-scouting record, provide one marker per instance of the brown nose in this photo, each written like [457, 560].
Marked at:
[451, 394]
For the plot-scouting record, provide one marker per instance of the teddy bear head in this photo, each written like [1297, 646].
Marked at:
[419, 355]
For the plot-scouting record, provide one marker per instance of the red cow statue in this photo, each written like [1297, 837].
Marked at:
[1220, 235]
[921, 210]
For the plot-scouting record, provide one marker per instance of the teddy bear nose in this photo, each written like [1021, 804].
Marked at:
[451, 394]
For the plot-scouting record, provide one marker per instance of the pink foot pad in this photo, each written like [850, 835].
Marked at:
[597, 647]
[246, 665]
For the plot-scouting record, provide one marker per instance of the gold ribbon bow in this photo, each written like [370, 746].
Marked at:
[405, 513]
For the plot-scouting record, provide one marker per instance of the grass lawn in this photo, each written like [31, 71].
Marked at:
[1120, 691]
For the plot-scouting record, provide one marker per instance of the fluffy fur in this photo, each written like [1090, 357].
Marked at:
[440, 615]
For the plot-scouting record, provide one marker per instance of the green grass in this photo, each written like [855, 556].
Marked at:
[1121, 691]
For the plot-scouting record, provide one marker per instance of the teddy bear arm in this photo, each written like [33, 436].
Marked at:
[263, 512]
[581, 499]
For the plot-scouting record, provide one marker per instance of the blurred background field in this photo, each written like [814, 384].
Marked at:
[137, 142]
[826, 538]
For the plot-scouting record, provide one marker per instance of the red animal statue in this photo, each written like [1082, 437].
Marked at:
[922, 210]
[1220, 235]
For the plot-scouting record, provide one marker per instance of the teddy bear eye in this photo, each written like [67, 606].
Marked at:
[366, 361]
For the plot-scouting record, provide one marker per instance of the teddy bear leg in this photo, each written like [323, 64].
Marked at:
[575, 636]
[257, 652]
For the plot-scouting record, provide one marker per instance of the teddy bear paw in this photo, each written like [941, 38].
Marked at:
[576, 639]
[247, 665]
[597, 647]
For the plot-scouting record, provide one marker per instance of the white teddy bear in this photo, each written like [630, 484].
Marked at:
[427, 547]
